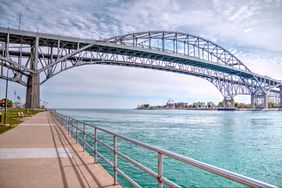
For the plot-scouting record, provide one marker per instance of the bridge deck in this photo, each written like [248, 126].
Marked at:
[38, 153]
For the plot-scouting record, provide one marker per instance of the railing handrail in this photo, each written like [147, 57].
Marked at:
[207, 167]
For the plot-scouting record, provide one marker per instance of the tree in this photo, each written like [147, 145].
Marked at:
[220, 104]
[272, 105]
[9, 103]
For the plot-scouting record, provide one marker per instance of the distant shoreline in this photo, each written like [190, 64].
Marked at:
[217, 109]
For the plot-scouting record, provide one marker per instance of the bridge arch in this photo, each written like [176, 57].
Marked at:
[181, 43]
[191, 47]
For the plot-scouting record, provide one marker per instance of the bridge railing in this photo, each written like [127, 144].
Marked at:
[78, 131]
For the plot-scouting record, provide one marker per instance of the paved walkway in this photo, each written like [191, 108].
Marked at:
[40, 153]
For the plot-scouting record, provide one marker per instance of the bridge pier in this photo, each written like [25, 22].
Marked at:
[280, 106]
[232, 103]
[228, 103]
[265, 102]
[259, 101]
[253, 106]
[33, 82]
[33, 92]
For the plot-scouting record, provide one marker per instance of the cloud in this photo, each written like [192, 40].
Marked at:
[224, 20]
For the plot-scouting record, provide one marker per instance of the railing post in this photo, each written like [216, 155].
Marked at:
[72, 128]
[76, 132]
[83, 136]
[160, 170]
[115, 159]
[95, 145]
[69, 120]
[69, 126]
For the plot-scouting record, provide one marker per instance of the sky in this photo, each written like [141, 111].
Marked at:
[252, 30]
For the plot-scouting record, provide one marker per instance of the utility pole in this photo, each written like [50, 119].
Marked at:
[6, 98]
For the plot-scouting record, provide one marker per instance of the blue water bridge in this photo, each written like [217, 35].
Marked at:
[33, 58]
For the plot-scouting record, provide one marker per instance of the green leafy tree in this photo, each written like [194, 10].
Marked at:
[9, 103]
[220, 104]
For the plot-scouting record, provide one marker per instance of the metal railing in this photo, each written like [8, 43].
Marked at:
[75, 126]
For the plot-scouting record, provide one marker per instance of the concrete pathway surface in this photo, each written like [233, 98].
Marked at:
[40, 153]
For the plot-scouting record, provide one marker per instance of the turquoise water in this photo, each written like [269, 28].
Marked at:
[249, 143]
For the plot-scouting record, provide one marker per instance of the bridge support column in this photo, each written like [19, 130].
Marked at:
[33, 92]
[228, 103]
[265, 101]
[224, 102]
[253, 106]
[253, 101]
[33, 82]
[280, 106]
[259, 101]
[232, 104]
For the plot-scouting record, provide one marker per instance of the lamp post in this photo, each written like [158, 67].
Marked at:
[6, 98]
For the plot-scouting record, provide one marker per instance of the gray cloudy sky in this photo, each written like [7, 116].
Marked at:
[251, 29]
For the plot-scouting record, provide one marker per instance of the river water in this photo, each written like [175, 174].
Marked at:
[245, 142]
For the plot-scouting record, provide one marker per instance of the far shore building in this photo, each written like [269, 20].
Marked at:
[181, 105]
[199, 105]
[170, 104]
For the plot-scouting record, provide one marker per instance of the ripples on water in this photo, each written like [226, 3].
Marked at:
[249, 143]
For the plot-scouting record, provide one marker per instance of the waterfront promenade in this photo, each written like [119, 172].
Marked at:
[40, 153]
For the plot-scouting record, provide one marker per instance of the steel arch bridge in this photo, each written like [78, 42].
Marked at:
[34, 58]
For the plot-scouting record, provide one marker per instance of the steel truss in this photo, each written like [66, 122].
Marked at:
[165, 51]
